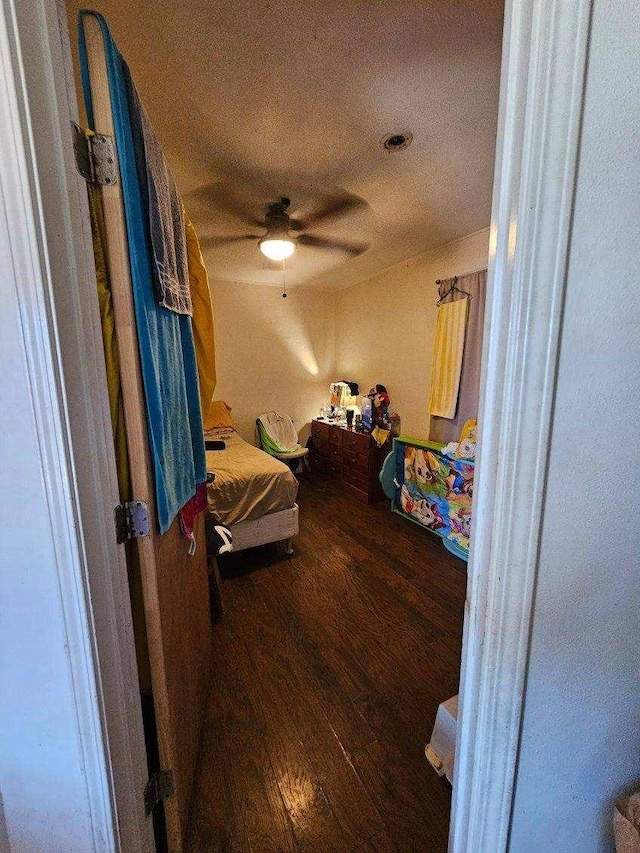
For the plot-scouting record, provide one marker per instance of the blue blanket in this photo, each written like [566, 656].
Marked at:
[165, 339]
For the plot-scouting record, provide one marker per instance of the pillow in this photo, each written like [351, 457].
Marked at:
[219, 415]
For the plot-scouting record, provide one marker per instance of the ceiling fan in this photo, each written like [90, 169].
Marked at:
[281, 240]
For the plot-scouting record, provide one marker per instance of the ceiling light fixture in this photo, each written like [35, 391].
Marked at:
[277, 246]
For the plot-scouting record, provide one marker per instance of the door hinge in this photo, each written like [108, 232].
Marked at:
[95, 157]
[158, 789]
[132, 520]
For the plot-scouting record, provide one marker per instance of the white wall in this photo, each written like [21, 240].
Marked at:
[273, 353]
[41, 766]
[385, 326]
[580, 736]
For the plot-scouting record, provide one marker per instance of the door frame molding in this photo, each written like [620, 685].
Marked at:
[541, 97]
[543, 66]
[52, 273]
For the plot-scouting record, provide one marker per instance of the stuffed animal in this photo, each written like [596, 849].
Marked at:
[381, 402]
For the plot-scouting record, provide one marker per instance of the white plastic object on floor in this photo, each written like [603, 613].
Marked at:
[441, 750]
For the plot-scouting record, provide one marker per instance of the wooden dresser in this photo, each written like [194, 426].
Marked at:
[352, 458]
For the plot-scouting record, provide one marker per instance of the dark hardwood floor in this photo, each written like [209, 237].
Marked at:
[328, 670]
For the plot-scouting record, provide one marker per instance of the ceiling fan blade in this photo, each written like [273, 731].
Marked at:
[334, 245]
[215, 241]
[222, 197]
[331, 210]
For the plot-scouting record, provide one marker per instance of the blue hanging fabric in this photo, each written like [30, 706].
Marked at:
[165, 338]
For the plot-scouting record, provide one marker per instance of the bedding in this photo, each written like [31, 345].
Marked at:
[248, 483]
[218, 415]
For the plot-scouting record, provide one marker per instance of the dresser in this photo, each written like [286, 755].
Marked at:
[351, 458]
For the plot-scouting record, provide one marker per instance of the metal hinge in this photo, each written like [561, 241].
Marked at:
[132, 520]
[95, 157]
[158, 789]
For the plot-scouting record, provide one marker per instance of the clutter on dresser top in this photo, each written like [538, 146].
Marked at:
[362, 413]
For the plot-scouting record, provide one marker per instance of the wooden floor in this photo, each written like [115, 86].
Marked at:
[328, 670]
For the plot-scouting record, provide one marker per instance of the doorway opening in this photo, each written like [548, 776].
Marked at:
[369, 610]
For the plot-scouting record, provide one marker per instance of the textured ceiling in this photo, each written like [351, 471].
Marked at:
[255, 99]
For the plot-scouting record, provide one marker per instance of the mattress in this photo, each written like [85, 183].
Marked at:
[248, 482]
[275, 527]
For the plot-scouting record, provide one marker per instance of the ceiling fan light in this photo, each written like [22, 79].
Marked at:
[277, 248]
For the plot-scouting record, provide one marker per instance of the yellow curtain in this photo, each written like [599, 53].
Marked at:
[448, 349]
[203, 327]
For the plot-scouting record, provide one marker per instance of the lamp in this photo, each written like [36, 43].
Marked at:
[277, 246]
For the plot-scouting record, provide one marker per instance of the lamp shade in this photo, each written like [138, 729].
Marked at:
[277, 248]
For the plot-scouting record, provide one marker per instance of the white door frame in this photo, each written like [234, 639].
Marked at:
[545, 45]
[50, 274]
[541, 95]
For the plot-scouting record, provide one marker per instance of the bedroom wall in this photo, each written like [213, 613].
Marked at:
[273, 353]
[386, 324]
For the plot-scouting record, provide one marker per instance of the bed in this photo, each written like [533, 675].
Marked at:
[253, 494]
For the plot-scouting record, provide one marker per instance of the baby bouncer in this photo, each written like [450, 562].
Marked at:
[278, 437]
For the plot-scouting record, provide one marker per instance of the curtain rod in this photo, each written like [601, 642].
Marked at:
[457, 277]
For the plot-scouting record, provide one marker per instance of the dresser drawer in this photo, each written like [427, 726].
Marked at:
[358, 442]
[335, 436]
[335, 453]
[321, 445]
[335, 469]
[357, 480]
[349, 456]
[357, 461]
[319, 464]
[362, 463]
[320, 430]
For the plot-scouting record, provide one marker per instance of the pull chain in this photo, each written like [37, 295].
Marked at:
[284, 280]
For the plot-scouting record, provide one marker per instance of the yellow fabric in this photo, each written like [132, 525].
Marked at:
[218, 415]
[380, 435]
[110, 341]
[116, 405]
[202, 319]
[448, 349]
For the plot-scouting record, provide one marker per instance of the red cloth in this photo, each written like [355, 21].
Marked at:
[190, 511]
